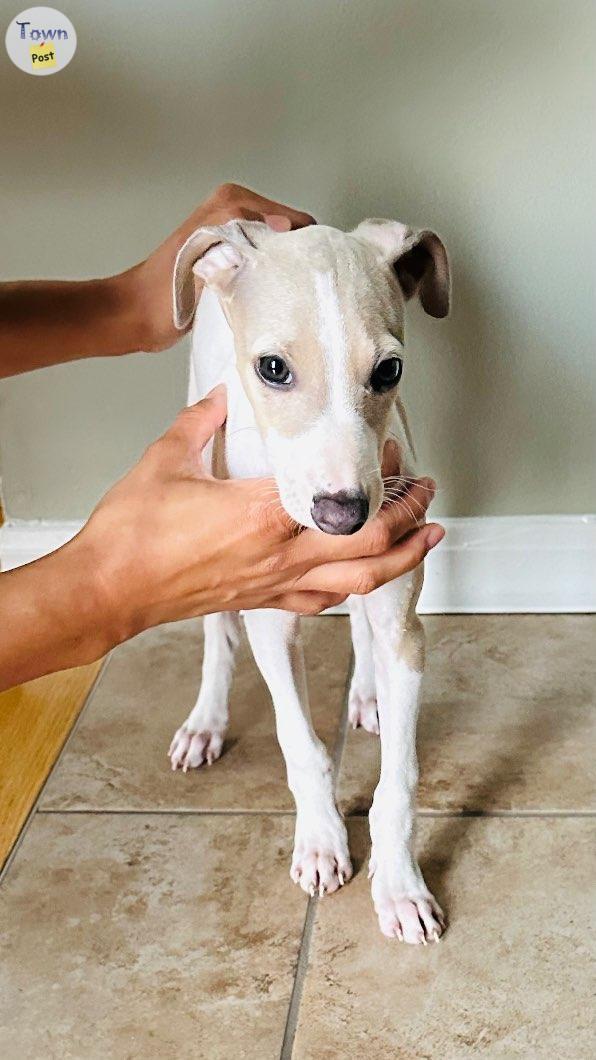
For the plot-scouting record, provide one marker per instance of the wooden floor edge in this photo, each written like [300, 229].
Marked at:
[36, 720]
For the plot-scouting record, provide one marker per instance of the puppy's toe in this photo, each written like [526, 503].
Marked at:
[321, 861]
[415, 921]
[405, 907]
[321, 873]
[179, 747]
[362, 712]
[189, 750]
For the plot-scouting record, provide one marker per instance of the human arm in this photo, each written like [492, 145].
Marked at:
[169, 542]
[45, 322]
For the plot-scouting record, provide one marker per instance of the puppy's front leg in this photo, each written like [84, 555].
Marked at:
[404, 905]
[200, 739]
[321, 860]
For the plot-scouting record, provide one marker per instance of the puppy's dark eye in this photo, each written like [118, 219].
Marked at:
[274, 370]
[386, 375]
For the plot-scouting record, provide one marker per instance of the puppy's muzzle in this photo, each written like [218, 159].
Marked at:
[340, 513]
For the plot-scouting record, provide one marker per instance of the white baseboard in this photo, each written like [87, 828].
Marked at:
[500, 564]
[22, 541]
[513, 564]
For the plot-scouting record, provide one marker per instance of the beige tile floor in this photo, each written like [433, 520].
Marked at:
[147, 914]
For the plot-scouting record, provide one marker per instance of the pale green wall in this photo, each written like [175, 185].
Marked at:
[473, 116]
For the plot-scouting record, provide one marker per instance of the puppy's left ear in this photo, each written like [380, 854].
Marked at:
[419, 260]
[214, 254]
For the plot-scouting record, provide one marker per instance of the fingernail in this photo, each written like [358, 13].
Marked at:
[434, 534]
[218, 391]
[278, 222]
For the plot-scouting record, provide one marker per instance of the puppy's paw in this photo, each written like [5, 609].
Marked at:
[189, 750]
[321, 860]
[362, 711]
[410, 915]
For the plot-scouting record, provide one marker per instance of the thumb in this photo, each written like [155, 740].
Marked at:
[195, 426]
[200, 422]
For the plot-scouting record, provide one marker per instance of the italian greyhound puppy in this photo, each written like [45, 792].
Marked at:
[306, 329]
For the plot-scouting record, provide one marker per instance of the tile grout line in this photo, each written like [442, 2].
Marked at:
[34, 808]
[355, 816]
[123, 811]
[520, 815]
[501, 814]
[287, 1047]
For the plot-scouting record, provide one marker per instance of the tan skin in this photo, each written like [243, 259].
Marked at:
[169, 541]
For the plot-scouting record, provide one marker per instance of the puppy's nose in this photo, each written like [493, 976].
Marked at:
[340, 513]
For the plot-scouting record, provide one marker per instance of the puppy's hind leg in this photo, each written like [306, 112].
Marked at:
[362, 700]
[321, 861]
[201, 737]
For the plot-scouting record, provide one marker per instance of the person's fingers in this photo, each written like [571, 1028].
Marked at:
[362, 576]
[401, 513]
[298, 218]
[180, 449]
[198, 423]
[237, 201]
[264, 507]
[279, 218]
[410, 496]
[277, 222]
[308, 603]
[391, 462]
[301, 220]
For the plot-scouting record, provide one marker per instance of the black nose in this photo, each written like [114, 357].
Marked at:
[339, 513]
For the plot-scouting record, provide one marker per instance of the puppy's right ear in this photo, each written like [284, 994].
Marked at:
[215, 255]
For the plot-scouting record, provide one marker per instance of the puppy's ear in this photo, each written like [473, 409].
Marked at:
[419, 259]
[215, 255]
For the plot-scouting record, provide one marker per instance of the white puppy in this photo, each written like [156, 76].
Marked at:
[306, 329]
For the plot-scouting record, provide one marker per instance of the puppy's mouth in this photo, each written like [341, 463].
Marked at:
[340, 513]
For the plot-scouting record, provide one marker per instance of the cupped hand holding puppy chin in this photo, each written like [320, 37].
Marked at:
[169, 541]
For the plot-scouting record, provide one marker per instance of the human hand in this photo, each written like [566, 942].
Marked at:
[169, 541]
[149, 284]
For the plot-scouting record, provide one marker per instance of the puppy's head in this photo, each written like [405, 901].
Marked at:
[318, 323]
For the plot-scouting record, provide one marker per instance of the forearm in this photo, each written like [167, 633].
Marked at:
[49, 616]
[46, 322]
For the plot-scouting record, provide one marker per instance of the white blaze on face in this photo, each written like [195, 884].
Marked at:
[338, 450]
[349, 444]
[333, 339]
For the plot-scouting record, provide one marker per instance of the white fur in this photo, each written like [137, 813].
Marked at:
[332, 334]
[362, 698]
[348, 444]
[385, 689]
[321, 860]
[201, 737]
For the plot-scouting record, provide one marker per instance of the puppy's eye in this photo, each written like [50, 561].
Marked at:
[386, 375]
[274, 370]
